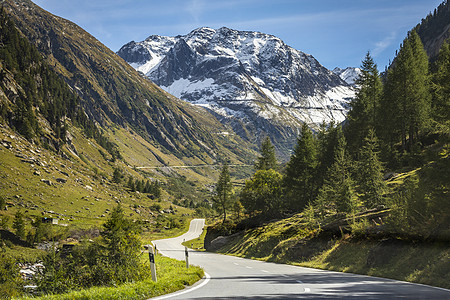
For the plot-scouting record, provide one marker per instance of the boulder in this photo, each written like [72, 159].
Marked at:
[46, 181]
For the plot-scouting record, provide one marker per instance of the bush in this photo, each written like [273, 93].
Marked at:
[112, 259]
[156, 207]
[10, 280]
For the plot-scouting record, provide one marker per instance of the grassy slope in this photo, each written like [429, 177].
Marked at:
[73, 202]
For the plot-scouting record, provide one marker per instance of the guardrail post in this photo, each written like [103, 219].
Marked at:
[187, 257]
[151, 256]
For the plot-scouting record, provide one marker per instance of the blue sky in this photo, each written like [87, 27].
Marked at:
[335, 32]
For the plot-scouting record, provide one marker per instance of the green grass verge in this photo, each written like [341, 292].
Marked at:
[198, 243]
[419, 263]
[172, 276]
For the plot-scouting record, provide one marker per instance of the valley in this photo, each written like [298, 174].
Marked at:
[289, 162]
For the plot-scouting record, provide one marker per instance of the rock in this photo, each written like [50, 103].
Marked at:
[46, 181]
[64, 173]
[37, 173]
[61, 180]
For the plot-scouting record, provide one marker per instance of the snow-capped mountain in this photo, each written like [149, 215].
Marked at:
[252, 80]
[349, 74]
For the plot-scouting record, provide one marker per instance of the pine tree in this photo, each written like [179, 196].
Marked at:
[131, 184]
[300, 180]
[327, 142]
[19, 224]
[223, 191]
[337, 192]
[147, 187]
[121, 237]
[441, 87]
[370, 172]
[117, 175]
[364, 106]
[267, 160]
[406, 105]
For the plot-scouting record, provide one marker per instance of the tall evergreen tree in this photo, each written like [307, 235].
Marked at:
[406, 105]
[441, 88]
[362, 114]
[267, 160]
[19, 224]
[300, 181]
[370, 172]
[121, 236]
[337, 191]
[327, 142]
[223, 191]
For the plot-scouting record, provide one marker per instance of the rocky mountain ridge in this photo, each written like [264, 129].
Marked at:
[349, 74]
[251, 80]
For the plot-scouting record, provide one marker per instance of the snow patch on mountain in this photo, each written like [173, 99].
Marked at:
[250, 76]
[349, 74]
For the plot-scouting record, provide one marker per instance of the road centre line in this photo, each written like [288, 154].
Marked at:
[265, 271]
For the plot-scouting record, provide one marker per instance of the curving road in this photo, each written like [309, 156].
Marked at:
[231, 277]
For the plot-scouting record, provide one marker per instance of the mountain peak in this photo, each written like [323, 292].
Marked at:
[253, 81]
[349, 74]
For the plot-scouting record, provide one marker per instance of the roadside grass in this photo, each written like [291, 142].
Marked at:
[149, 236]
[418, 263]
[287, 241]
[172, 276]
[198, 243]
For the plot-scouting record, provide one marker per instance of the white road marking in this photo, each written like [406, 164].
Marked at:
[248, 267]
[236, 264]
[265, 271]
[299, 281]
[185, 291]
[307, 290]
[284, 275]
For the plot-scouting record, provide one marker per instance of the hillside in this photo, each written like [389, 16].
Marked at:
[114, 94]
[435, 29]
[58, 160]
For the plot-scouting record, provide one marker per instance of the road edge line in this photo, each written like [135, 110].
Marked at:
[184, 291]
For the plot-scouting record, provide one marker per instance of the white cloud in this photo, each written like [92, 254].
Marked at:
[195, 9]
[383, 44]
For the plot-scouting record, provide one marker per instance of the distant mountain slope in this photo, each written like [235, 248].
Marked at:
[253, 80]
[435, 29]
[113, 93]
[349, 74]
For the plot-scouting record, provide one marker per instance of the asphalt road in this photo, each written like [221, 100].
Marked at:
[231, 277]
